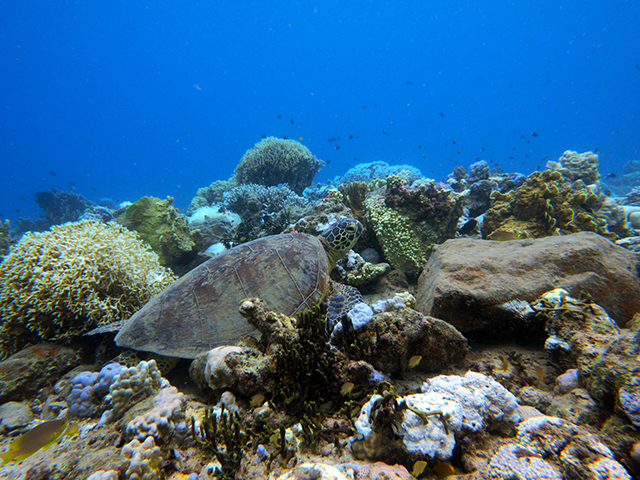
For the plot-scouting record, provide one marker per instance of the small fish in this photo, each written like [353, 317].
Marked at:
[611, 175]
[502, 236]
[39, 437]
[444, 470]
[300, 138]
[616, 132]
[540, 373]
[453, 143]
[280, 116]
[292, 122]
[415, 361]
[285, 137]
[534, 134]
[257, 400]
[504, 366]
[337, 147]
[350, 136]
[418, 468]
[468, 227]
[409, 82]
[364, 106]
[264, 136]
[442, 114]
[52, 173]
[346, 388]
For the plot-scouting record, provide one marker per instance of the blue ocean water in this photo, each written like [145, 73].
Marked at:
[122, 99]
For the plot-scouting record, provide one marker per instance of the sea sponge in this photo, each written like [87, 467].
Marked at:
[273, 161]
[58, 284]
[160, 225]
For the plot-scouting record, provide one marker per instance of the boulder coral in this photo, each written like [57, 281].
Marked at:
[58, 284]
[409, 220]
[546, 204]
[274, 161]
[162, 227]
[577, 166]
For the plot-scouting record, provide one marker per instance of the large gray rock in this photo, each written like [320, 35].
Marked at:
[467, 282]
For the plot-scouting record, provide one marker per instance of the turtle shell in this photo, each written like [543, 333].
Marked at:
[198, 312]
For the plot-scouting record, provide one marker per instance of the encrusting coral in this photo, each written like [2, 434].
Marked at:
[546, 204]
[58, 284]
[273, 161]
[409, 220]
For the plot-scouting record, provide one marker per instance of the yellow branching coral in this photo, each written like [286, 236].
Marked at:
[58, 284]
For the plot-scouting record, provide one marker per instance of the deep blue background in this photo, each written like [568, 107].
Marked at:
[130, 98]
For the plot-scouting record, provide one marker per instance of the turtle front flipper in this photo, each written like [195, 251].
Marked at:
[340, 303]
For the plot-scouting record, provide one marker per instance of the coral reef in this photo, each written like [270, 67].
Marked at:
[577, 166]
[274, 161]
[145, 459]
[409, 220]
[211, 225]
[160, 421]
[367, 172]
[353, 195]
[137, 382]
[58, 284]
[549, 447]
[546, 204]
[429, 423]
[160, 225]
[207, 196]
[88, 390]
[263, 210]
[60, 206]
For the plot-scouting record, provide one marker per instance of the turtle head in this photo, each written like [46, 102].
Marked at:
[340, 237]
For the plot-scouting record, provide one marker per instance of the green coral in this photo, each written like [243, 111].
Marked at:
[546, 204]
[162, 227]
[58, 284]
[275, 161]
[409, 221]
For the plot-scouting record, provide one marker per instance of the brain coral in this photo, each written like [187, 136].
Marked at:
[58, 284]
[273, 161]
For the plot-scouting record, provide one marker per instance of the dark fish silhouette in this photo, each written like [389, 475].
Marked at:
[611, 175]
[468, 227]
[51, 172]
[442, 114]
[279, 116]
[292, 122]
[534, 134]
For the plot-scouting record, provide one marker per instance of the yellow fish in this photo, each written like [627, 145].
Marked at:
[444, 470]
[505, 364]
[39, 437]
[415, 361]
[257, 400]
[540, 373]
[346, 388]
[418, 468]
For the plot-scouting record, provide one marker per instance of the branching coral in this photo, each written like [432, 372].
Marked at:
[58, 284]
[207, 196]
[546, 204]
[273, 161]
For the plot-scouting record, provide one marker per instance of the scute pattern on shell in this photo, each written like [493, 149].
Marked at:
[200, 311]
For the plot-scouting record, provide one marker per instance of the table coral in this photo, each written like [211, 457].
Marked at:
[274, 161]
[58, 284]
[546, 204]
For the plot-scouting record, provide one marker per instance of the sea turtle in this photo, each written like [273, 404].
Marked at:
[290, 272]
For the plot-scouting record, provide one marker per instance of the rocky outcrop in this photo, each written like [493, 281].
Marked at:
[482, 287]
